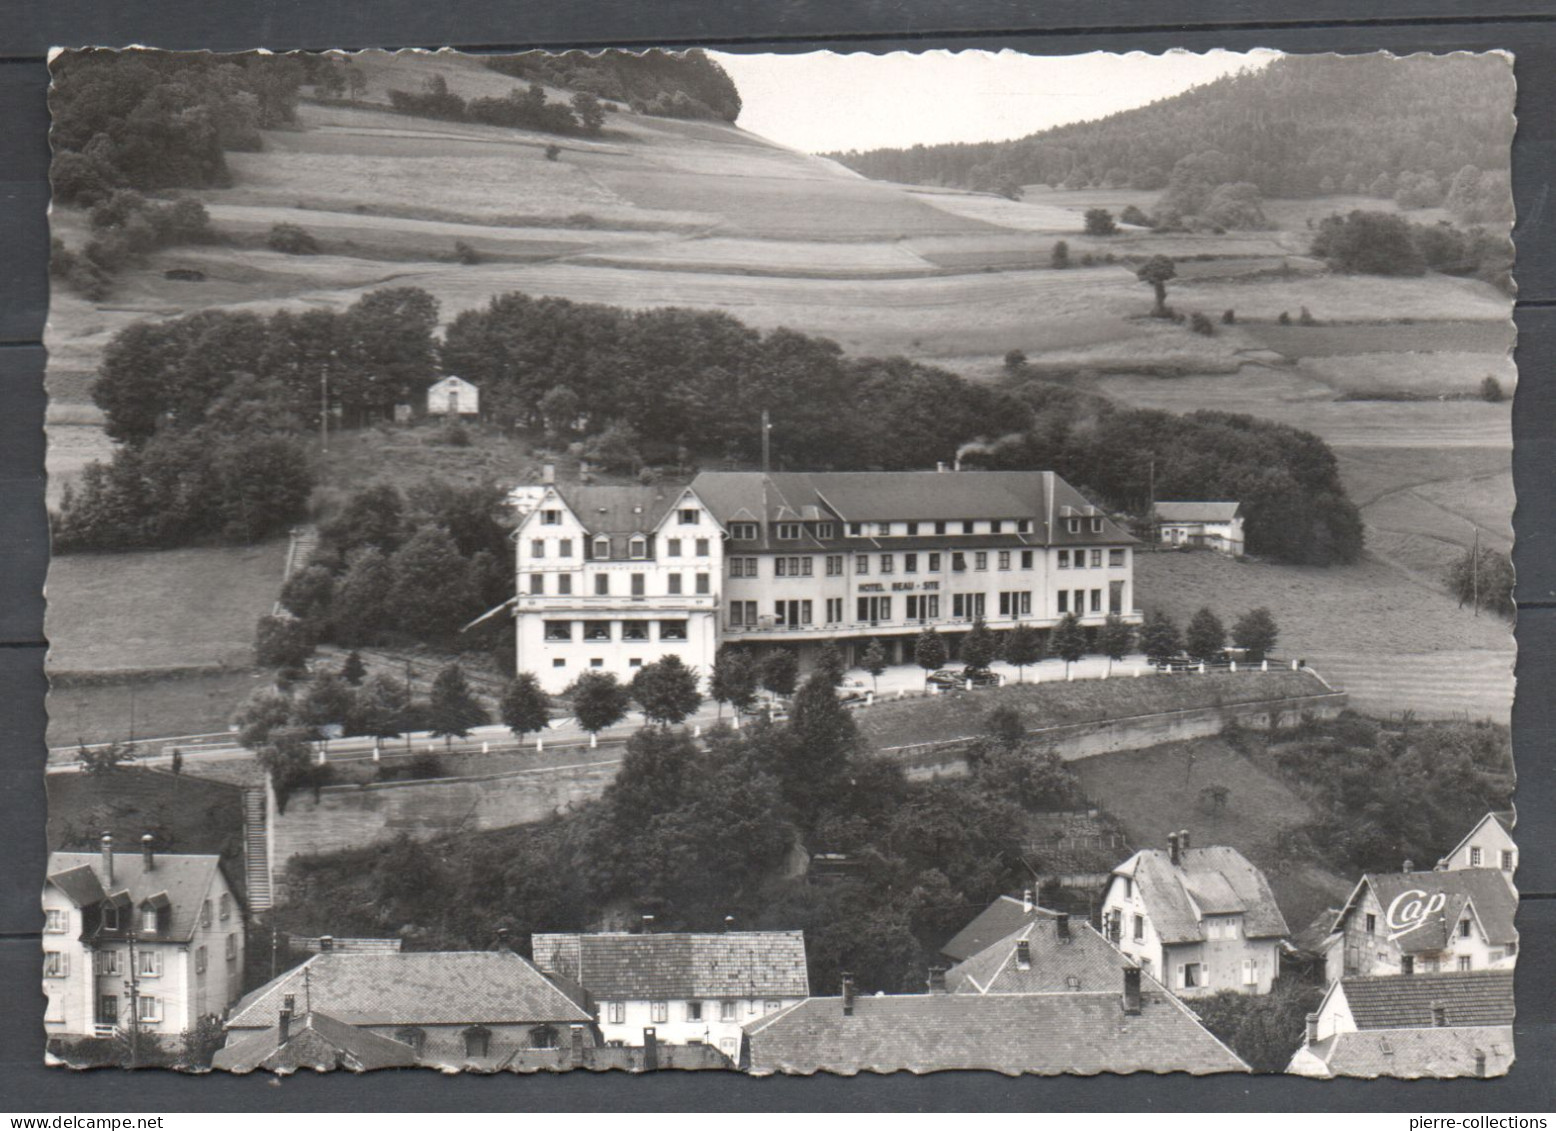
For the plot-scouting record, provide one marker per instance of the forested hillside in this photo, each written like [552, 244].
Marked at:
[672, 85]
[1301, 126]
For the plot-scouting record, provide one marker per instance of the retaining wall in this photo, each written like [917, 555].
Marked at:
[349, 816]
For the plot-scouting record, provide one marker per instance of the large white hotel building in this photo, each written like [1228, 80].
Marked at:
[612, 578]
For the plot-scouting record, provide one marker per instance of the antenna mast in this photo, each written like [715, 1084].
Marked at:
[767, 444]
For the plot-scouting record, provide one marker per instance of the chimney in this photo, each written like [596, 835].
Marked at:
[1172, 849]
[729, 922]
[1312, 1028]
[548, 473]
[1410, 866]
[956, 464]
[648, 924]
[650, 1049]
[285, 1026]
[1023, 954]
[1480, 1063]
[1062, 926]
[1439, 1015]
[937, 980]
[148, 859]
[848, 994]
[502, 938]
[577, 1046]
[326, 942]
[289, 1003]
[1183, 840]
[1132, 990]
[1026, 900]
[108, 860]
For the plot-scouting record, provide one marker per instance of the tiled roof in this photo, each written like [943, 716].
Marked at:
[618, 510]
[80, 885]
[905, 496]
[1046, 1034]
[656, 967]
[462, 987]
[1409, 1053]
[316, 1041]
[1215, 880]
[1082, 961]
[185, 881]
[1506, 823]
[1404, 1001]
[993, 923]
[1196, 512]
[1485, 889]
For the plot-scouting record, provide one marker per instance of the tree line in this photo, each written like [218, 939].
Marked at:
[671, 84]
[1300, 126]
[1380, 243]
[526, 109]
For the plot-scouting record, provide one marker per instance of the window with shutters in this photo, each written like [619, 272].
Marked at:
[56, 921]
[659, 1012]
[616, 1012]
[56, 964]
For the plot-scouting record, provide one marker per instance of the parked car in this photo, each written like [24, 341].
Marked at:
[853, 691]
[948, 679]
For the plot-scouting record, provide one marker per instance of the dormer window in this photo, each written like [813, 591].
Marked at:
[883, 528]
[1073, 525]
[825, 530]
[638, 547]
[1096, 526]
[743, 531]
[1023, 526]
[912, 528]
[856, 529]
[997, 526]
[110, 917]
[148, 920]
[602, 549]
[789, 531]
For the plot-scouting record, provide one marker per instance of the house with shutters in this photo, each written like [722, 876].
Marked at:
[679, 987]
[451, 1008]
[1201, 920]
[1202, 525]
[146, 940]
[613, 578]
[1051, 954]
[1488, 845]
[1430, 1025]
[1413, 922]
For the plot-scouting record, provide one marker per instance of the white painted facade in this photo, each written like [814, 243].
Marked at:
[453, 396]
[1363, 944]
[1216, 526]
[1488, 845]
[683, 1022]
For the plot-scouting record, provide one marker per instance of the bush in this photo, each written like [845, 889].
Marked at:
[1099, 222]
[1015, 359]
[289, 239]
[1284, 319]
[1132, 215]
[466, 254]
[1491, 390]
[1305, 318]
[553, 151]
[1228, 318]
[453, 435]
[1201, 325]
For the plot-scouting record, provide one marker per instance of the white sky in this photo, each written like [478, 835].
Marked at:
[820, 102]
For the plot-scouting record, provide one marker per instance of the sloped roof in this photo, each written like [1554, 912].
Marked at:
[184, 881]
[655, 967]
[1485, 890]
[994, 922]
[1409, 1053]
[898, 496]
[80, 885]
[604, 509]
[461, 987]
[1083, 961]
[1045, 1034]
[1196, 511]
[1505, 823]
[1214, 880]
[1404, 1001]
[316, 1041]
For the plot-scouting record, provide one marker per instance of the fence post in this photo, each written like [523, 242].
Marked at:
[697, 730]
[378, 751]
[1202, 667]
[1234, 665]
[540, 745]
[322, 758]
[486, 748]
[1265, 666]
[1139, 671]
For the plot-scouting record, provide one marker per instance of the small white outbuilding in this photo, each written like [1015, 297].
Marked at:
[453, 396]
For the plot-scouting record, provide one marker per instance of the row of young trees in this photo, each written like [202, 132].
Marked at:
[526, 109]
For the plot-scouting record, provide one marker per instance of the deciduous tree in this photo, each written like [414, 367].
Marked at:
[929, 652]
[452, 708]
[525, 708]
[599, 700]
[1069, 640]
[1255, 632]
[1205, 636]
[1115, 639]
[667, 691]
[1023, 645]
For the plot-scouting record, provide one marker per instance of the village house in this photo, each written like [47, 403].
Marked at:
[312, 1040]
[452, 1008]
[688, 988]
[453, 397]
[993, 923]
[1488, 845]
[1412, 922]
[138, 941]
[1202, 525]
[1047, 955]
[1131, 1026]
[1435, 1025]
[1202, 920]
[612, 578]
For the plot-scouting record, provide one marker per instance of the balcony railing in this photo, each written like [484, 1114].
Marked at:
[918, 624]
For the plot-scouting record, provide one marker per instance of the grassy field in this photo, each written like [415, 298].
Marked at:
[956, 715]
[160, 609]
[199, 702]
[1157, 791]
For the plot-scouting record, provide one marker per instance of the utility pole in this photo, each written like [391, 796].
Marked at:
[767, 444]
[406, 722]
[1475, 567]
[134, 987]
[324, 408]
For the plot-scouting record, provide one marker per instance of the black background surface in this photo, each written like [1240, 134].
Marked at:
[30, 27]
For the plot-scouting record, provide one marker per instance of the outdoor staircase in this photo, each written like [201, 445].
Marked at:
[304, 540]
[256, 851]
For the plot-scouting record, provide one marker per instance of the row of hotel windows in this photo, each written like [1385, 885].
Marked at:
[823, 531]
[887, 563]
[148, 962]
[562, 630]
[675, 584]
[57, 921]
[637, 548]
[918, 607]
[659, 1011]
